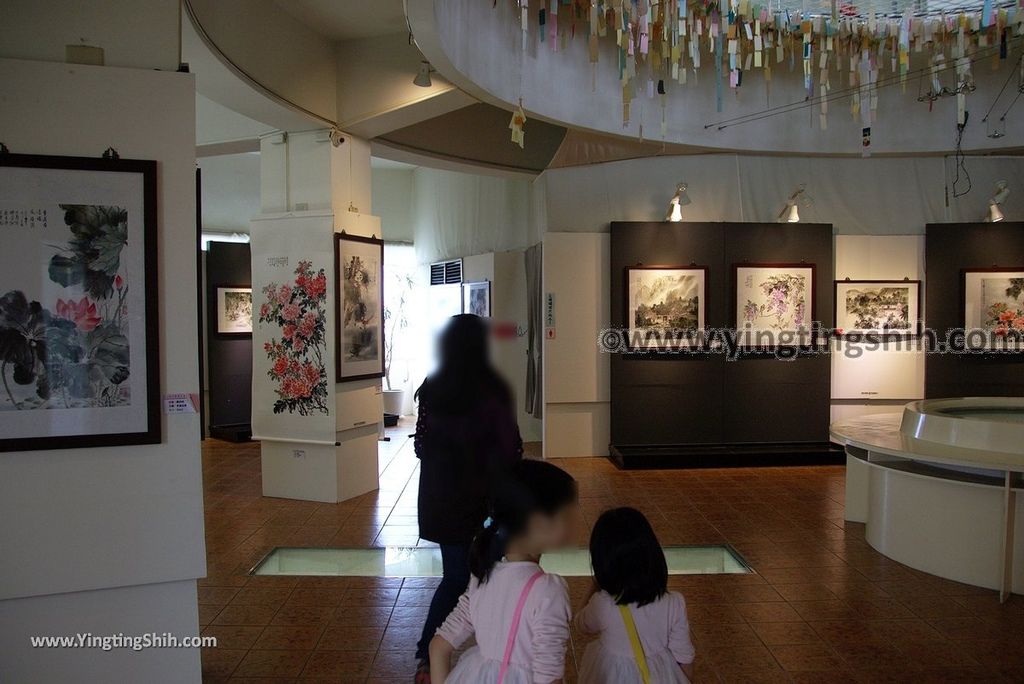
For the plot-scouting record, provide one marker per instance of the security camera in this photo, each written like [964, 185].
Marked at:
[336, 137]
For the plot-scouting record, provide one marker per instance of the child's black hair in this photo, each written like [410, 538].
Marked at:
[627, 559]
[526, 488]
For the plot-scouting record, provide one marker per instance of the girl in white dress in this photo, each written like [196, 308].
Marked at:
[518, 613]
[643, 633]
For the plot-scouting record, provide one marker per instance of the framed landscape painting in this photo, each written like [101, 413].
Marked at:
[994, 304]
[774, 303]
[360, 301]
[878, 307]
[665, 304]
[476, 298]
[79, 364]
[234, 311]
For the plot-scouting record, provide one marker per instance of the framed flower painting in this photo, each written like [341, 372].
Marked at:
[359, 263]
[79, 364]
[994, 304]
[774, 303]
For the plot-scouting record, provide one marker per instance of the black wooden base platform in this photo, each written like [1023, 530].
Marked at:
[236, 432]
[640, 456]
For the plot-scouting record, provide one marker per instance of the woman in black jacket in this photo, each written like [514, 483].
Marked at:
[466, 434]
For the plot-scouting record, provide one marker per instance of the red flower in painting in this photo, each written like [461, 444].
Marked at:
[284, 295]
[317, 286]
[296, 358]
[82, 313]
[118, 282]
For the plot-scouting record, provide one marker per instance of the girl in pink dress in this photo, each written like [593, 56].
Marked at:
[642, 627]
[518, 614]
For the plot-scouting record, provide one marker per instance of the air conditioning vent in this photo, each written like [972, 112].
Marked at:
[446, 272]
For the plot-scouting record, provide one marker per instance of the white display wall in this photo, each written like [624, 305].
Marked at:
[110, 539]
[862, 371]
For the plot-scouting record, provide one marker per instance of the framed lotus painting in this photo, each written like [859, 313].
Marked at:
[994, 304]
[665, 304]
[891, 308]
[78, 303]
[234, 311]
[360, 301]
[774, 303]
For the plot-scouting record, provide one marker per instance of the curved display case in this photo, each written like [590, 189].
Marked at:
[937, 487]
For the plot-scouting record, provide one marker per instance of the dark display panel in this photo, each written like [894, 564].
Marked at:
[229, 356]
[705, 408]
[950, 249]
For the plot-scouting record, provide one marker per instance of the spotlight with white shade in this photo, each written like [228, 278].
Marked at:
[791, 212]
[676, 204]
[995, 214]
[423, 75]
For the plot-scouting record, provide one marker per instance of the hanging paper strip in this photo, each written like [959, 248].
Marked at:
[660, 41]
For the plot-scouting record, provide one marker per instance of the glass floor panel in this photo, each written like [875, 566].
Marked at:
[419, 561]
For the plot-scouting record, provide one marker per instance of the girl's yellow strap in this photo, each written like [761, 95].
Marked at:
[634, 641]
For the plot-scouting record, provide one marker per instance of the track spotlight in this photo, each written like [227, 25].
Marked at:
[676, 204]
[995, 214]
[423, 75]
[791, 212]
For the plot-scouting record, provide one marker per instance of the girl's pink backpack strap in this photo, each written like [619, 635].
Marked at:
[515, 624]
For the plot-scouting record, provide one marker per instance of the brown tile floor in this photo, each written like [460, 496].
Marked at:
[822, 607]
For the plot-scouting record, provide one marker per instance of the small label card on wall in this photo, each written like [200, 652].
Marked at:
[180, 402]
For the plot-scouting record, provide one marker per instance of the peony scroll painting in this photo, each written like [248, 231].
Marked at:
[78, 303]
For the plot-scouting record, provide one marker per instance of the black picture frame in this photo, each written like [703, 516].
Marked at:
[339, 292]
[216, 309]
[812, 314]
[469, 287]
[964, 299]
[838, 332]
[147, 169]
[702, 310]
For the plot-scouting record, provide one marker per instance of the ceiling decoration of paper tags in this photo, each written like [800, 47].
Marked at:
[846, 52]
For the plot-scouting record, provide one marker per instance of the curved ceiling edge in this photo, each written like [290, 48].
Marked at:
[477, 46]
[229, 81]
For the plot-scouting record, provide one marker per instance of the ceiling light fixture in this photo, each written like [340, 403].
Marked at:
[676, 204]
[995, 215]
[422, 78]
[791, 212]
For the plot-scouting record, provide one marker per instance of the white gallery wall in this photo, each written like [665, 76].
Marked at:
[878, 206]
[110, 539]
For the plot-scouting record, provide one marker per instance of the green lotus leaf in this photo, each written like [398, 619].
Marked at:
[66, 271]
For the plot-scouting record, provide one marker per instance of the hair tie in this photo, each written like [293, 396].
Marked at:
[488, 522]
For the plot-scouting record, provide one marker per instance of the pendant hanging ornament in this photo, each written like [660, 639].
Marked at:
[516, 125]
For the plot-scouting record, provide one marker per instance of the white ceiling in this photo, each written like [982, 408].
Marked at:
[390, 165]
[348, 19]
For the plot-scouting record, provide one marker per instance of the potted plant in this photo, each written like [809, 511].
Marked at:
[395, 319]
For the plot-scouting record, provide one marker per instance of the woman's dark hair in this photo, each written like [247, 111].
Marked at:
[527, 487]
[627, 558]
[465, 374]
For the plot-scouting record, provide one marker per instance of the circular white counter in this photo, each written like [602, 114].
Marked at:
[936, 487]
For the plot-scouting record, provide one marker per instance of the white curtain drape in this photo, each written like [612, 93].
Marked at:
[459, 214]
[869, 196]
